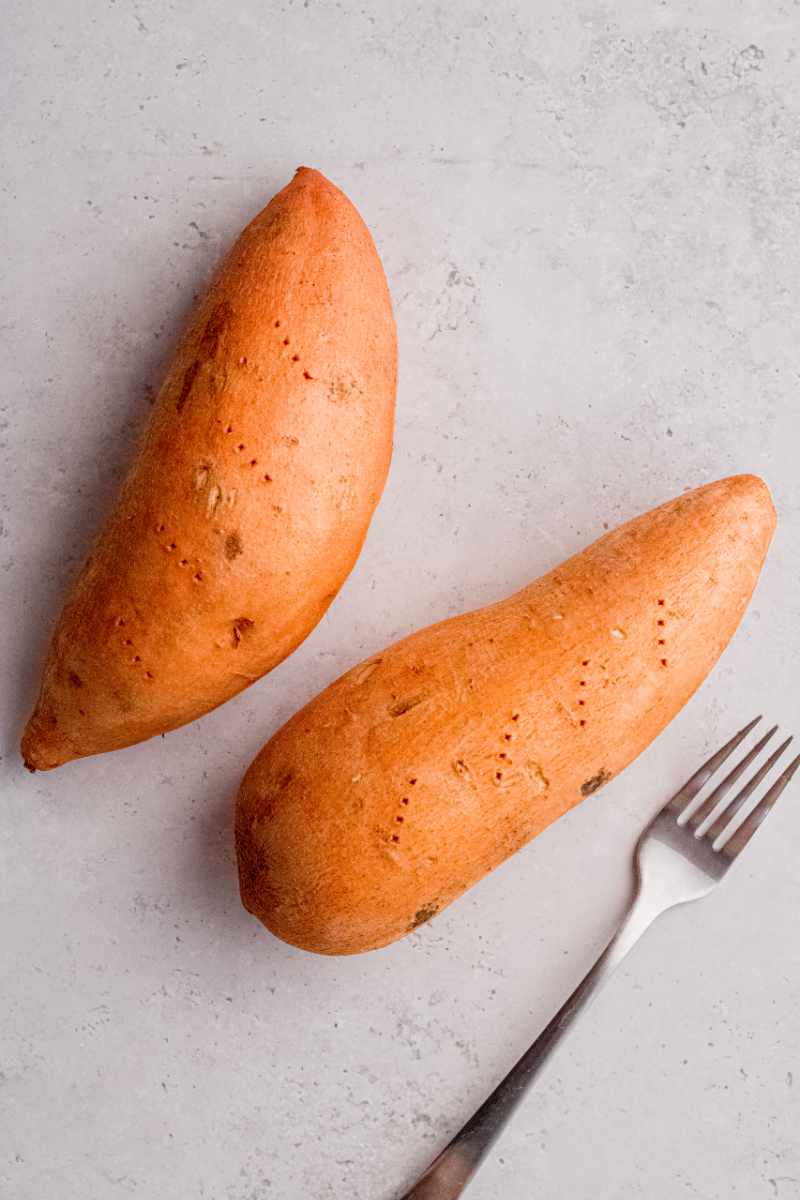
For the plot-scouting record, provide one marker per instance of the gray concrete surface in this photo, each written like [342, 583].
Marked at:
[589, 216]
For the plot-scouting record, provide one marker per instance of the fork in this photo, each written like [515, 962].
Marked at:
[683, 853]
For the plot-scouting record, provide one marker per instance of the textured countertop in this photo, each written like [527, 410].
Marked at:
[589, 217]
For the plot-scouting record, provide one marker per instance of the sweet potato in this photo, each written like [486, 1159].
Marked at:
[250, 497]
[419, 771]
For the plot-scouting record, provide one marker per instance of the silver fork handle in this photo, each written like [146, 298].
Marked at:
[448, 1175]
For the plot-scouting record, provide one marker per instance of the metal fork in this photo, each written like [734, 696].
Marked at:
[681, 855]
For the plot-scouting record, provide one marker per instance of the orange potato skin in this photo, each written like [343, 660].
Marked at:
[422, 769]
[250, 497]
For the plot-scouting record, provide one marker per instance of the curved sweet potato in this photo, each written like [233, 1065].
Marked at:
[250, 497]
[419, 771]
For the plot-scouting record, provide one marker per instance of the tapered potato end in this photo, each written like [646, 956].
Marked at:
[43, 746]
[754, 495]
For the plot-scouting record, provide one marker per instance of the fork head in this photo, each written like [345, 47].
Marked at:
[702, 834]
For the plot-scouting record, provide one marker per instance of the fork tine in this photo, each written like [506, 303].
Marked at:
[738, 832]
[695, 805]
[720, 816]
[702, 776]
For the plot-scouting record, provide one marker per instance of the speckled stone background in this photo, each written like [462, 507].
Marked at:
[589, 214]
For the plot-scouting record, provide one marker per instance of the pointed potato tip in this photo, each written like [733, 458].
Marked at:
[752, 488]
[42, 749]
[746, 482]
[307, 182]
[304, 172]
[744, 495]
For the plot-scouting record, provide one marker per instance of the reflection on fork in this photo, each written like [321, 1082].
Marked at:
[680, 857]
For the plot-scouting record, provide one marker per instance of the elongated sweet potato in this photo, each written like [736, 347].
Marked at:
[250, 497]
[422, 769]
